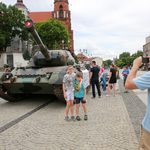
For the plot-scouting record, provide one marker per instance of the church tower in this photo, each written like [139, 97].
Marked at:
[20, 5]
[62, 13]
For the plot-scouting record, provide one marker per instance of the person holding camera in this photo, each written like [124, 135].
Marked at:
[141, 82]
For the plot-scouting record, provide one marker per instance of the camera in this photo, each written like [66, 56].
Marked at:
[146, 63]
[145, 60]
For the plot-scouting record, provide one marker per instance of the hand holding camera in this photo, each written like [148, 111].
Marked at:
[137, 63]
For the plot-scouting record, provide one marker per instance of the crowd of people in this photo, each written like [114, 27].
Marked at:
[75, 91]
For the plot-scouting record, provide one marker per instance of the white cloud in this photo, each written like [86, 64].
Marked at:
[106, 27]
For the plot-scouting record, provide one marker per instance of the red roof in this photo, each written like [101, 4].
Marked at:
[38, 17]
[83, 57]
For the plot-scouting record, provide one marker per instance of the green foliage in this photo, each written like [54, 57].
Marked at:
[11, 24]
[107, 63]
[126, 59]
[53, 33]
[26, 55]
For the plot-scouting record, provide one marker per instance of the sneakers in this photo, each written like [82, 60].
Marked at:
[73, 118]
[78, 118]
[85, 117]
[67, 118]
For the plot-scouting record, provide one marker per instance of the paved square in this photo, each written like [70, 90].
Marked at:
[108, 128]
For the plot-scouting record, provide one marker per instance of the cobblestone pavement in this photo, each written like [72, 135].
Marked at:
[108, 128]
[135, 107]
[11, 111]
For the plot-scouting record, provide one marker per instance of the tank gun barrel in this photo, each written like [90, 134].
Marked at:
[30, 26]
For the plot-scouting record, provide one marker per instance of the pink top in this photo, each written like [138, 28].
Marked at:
[102, 70]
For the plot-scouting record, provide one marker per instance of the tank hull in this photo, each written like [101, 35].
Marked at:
[34, 81]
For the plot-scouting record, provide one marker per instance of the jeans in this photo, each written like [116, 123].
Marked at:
[103, 79]
[95, 82]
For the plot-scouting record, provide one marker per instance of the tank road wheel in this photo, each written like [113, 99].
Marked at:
[60, 97]
[58, 92]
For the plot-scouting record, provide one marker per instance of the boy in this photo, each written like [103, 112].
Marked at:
[68, 91]
[80, 96]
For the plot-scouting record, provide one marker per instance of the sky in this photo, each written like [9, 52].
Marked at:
[105, 28]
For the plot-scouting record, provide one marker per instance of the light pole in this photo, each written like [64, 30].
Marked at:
[63, 44]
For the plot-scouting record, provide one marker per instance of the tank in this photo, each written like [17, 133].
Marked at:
[43, 74]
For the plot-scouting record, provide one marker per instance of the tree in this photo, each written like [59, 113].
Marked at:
[107, 63]
[126, 59]
[11, 24]
[54, 34]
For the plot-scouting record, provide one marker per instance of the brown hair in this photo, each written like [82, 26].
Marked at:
[79, 75]
[113, 65]
[94, 62]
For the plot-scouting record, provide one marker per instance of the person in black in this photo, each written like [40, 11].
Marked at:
[94, 77]
[112, 79]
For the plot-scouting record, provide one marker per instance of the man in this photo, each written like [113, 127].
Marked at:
[142, 82]
[125, 74]
[94, 77]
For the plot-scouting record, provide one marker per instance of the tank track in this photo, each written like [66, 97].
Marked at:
[8, 97]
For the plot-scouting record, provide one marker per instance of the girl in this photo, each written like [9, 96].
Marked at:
[68, 90]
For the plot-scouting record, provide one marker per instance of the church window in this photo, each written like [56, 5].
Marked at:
[61, 13]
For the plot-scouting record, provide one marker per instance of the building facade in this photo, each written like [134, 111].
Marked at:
[13, 55]
[146, 47]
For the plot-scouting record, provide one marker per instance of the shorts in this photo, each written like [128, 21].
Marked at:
[144, 140]
[79, 100]
[70, 95]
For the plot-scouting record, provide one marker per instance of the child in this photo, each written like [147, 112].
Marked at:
[80, 96]
[68, 91]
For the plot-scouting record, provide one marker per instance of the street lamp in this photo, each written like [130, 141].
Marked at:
[63, 44]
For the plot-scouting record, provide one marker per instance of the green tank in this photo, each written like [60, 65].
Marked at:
[43, 74]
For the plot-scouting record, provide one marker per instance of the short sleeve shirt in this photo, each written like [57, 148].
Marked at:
[113, 75]
[143, 82]
[95, 71]
[68, 81]
[80, 92]
[125, 72]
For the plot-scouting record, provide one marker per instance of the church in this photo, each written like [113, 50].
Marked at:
[13, 55]
[61, 12]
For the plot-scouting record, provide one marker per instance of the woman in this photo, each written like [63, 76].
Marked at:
[112, 80]
[102, 77]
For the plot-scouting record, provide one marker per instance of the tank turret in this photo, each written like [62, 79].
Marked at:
[44, 57]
